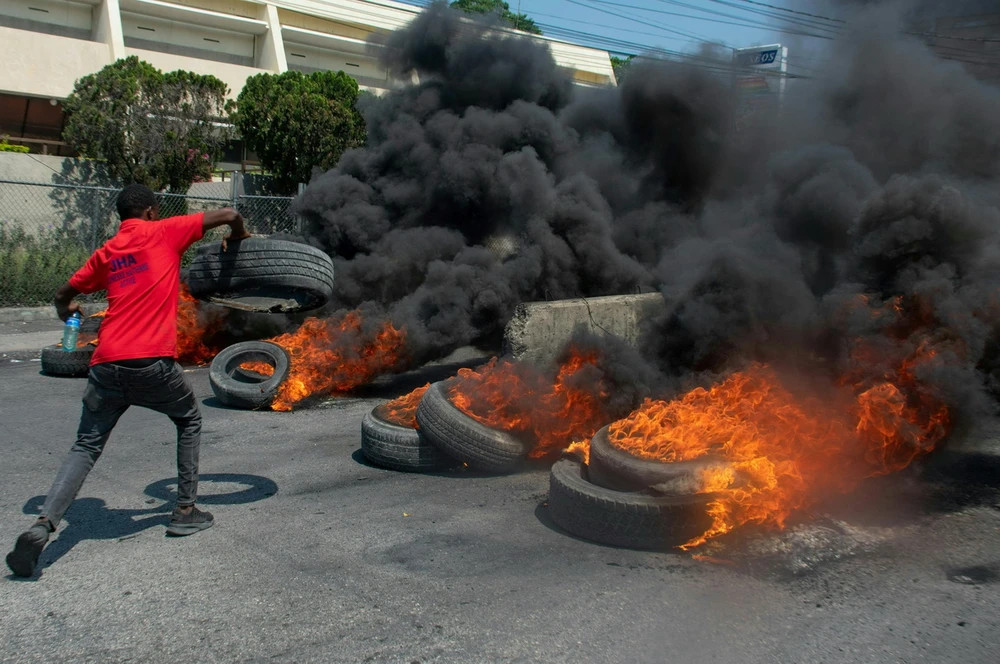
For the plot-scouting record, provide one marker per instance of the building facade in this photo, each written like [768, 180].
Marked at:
[46, 45]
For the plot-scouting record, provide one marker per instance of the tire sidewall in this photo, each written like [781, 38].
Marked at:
[248, 395]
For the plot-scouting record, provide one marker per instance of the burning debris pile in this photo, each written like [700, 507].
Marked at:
[829, 271]
[196, 330]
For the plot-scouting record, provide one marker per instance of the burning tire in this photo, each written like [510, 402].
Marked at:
[91, 324]
[248, 391]
[616, 469]
[399, 448]
[632, 520]
[463, 438]
[258, 274]
[57, 362]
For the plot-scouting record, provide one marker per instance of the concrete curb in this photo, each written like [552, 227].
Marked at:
[538, 330]
[24, 314]
[27, 314]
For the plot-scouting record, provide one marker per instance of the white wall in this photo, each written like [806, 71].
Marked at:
[43, 65]
[72, 16]
[178, 36]
[235, 76]
[315, 58]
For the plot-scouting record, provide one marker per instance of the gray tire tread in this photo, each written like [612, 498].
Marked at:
[399, 448]
[57, 362]
[463, 438]
[261, 264]
[617, 518]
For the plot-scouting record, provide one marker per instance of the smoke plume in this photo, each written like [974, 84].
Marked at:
[863, 209]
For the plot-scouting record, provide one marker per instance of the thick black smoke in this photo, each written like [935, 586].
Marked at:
[493, 181]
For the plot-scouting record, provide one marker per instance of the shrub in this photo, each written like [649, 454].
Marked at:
[33, 267]
[7, 147]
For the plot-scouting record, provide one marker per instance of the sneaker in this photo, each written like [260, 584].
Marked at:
[24, 557]
[189, 524]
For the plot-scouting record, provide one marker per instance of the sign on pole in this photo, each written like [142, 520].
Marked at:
[759, 76]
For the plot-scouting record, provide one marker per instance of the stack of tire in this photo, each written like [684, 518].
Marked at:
[621, 500]
[616, 498]
[445, 437]
[265, 275]
[74, 363]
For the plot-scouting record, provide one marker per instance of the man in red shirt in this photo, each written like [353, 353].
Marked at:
[134, 363]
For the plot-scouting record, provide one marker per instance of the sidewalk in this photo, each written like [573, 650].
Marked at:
[24, 331]
[22, 337]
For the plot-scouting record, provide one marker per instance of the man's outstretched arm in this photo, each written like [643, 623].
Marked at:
[226, 217]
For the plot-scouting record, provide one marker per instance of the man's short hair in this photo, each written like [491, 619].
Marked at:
[134, 200]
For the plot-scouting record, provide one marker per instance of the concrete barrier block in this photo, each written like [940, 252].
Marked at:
[538, 330]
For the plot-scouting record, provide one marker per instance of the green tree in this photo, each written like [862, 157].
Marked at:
[163, 130]
[621, 65]
[517, 21]
[296, 122]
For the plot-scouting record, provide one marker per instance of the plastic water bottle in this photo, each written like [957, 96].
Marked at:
[70, 332]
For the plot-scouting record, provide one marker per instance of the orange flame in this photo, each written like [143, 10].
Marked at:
[335, 354]
[784, 449]
[192, 331]
[403, 410]
[262, 368]
[581, 448]
[515, 397]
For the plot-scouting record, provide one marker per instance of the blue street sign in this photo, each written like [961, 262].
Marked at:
[766, 57]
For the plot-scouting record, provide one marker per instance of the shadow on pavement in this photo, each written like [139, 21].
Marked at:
[258, 488]
[213, 402]
[92, 519]
[358, 456]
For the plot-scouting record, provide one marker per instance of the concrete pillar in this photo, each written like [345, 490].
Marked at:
[108, 27]
[271, 49]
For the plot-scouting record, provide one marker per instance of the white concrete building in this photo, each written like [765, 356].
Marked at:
[46, 45]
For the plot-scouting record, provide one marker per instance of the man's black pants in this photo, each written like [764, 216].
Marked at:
[111, 389]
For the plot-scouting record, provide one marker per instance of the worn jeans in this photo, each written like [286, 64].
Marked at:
[111, 389]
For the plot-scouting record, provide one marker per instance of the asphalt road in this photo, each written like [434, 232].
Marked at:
[318, 557]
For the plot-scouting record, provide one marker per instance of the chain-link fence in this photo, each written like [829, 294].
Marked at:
[47, 231]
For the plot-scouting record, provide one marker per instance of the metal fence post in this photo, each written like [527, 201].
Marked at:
[298, 217]
[235, 189]
[95, 219]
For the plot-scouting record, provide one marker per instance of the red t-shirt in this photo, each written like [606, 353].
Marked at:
[140, 268]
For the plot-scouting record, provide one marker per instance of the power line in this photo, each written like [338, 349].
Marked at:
[791, 11]
[743, 23]
[739, 19]
[634, 19]
[794, 20]
[625, 46]
[694, 38]
[968, 39]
